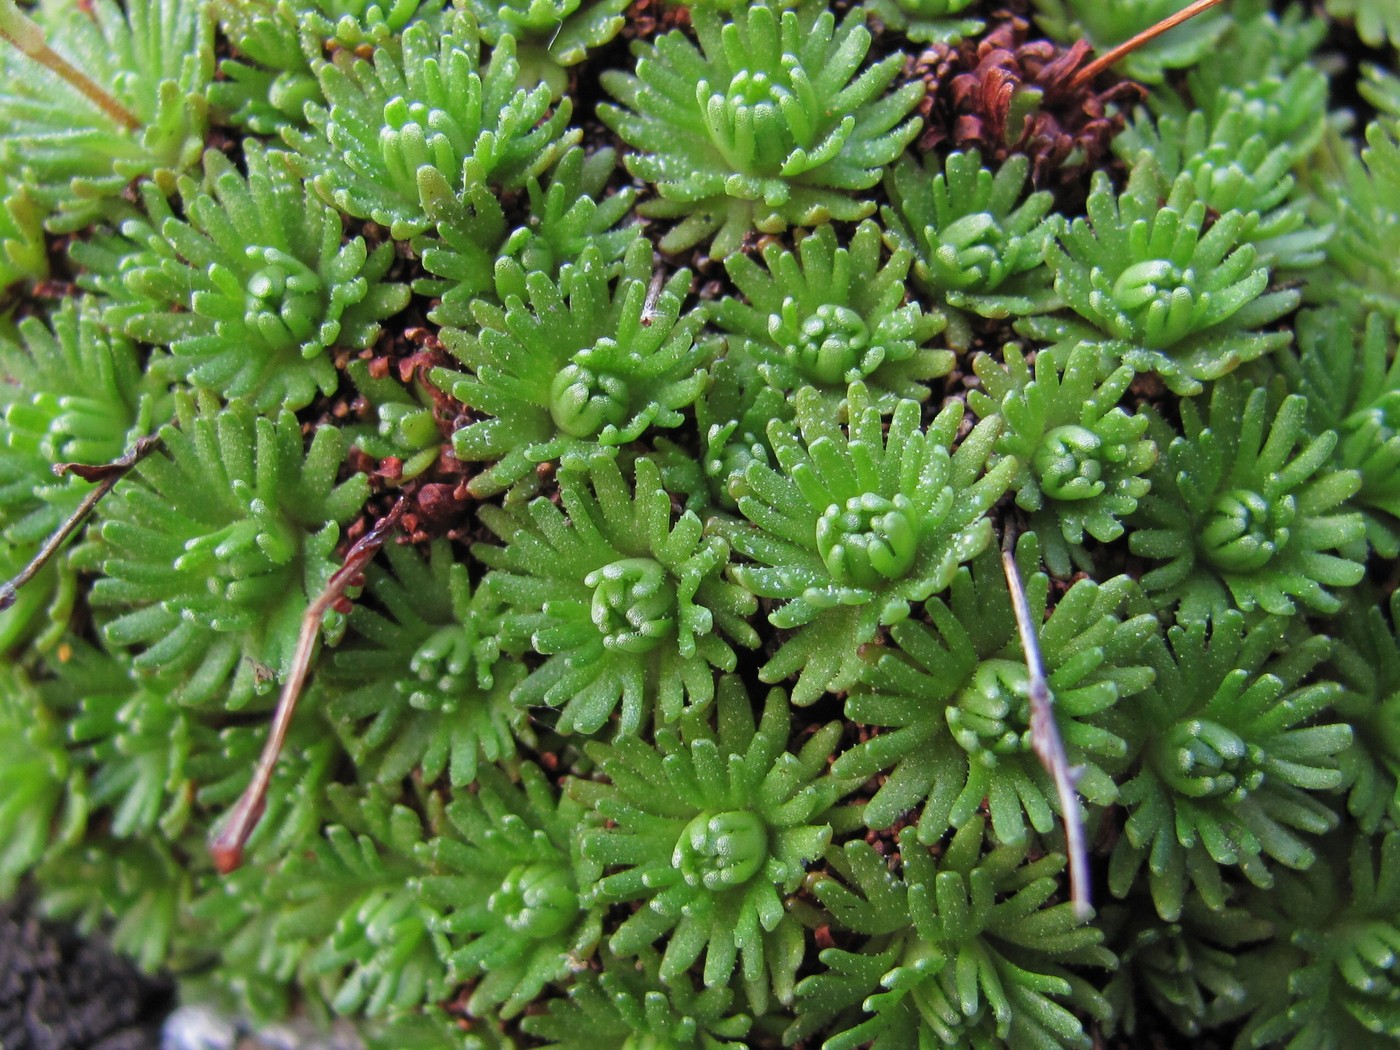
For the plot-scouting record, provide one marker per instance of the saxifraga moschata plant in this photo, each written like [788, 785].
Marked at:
[796, 524]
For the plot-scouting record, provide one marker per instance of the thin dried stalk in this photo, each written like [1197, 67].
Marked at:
[1045, 738]
[106, 475]
[1149, 34]
[226, 846]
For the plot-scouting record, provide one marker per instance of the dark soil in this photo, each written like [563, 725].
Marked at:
[62, 991]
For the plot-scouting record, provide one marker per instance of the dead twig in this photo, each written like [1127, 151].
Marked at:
[1149, 34]
[226, 846]
[105, 475]
[1045, 736]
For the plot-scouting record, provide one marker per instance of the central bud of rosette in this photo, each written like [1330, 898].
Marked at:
[721, 850]
[869, 541]
[417, 134]
[1067, 464]
[441, 671]
[282, 300]
[634, 604]
[1203, 759]
[829, 346]
[537, 900]
[583, 398]
[1244, 530]
[747, 123]
[992, 714]
[976, 244]
[1161, 299]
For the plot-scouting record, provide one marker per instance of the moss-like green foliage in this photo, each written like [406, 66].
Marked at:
[425, 104]
[926, 21]
[829, 316]
[85, 399]
[22, 254]
[41, 791]
[1083, 459]
[1375, 22]
[1341, 966]
[1352, 384]
[587, 365]
[207, 588]
[1232, 759]
[270, 80]
[1157, 291]
[629, 606]
[1266, 69]
[220, 757]
[1246, 510]
[767, 525]
[978, 247]
[1367, 218]
[629, 1004]
[252, 288]
[964, 948]
[568, 214]
[143, 882]
[1189, 971]
[552, 34]
[766, 125]
[712, 827]
[733, 419]
[453, 709]
[950, 697]
[352, 23]
[854, 526]
[73, 157]
[1235, 164]
[1367, 664]
[405, 427]
[267, 83]
[516, 891]
[355, 911]
[134, 740]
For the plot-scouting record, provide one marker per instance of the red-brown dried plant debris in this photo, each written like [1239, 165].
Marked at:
[1004, 93]
[436, 502]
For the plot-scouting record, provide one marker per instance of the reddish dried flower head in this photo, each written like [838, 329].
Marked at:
[1004, 93]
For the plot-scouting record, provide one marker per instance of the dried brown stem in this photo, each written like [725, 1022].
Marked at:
[1045, 737]
[226, 846]
[1149, 34]
[105, 475]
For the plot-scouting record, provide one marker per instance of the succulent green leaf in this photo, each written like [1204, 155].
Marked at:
[1246, 511]
[1235, 751]
[574, 367]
